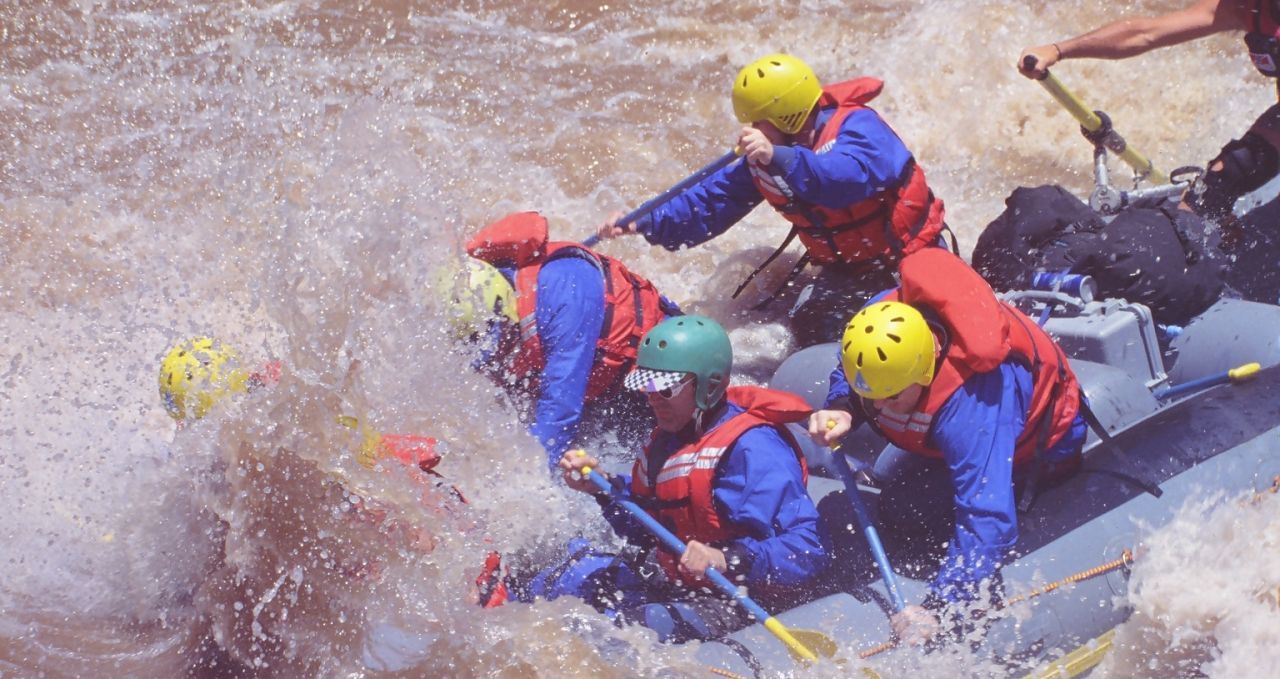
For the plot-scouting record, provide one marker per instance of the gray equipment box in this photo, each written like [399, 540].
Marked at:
[1111, 332]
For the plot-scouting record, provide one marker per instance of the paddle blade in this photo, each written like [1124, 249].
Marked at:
[821, 644]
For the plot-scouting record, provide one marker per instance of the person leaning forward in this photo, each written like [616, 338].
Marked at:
[967, 389]
[851, 189]
[557, 322]
[724, 474]
[1244, 164]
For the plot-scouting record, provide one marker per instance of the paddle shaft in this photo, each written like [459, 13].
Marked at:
[1243, 372]
[677, 547]
[868, 529]
[1091, 122]
[684, 184]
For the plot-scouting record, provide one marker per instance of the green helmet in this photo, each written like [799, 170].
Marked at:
[690, 344]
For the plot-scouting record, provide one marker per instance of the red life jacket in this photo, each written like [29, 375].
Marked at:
[885, 226]
[982, 332]
[681, 496]
[632, 304]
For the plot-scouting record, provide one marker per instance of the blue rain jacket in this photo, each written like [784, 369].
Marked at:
[867, 158]
[980, 459]
[570, 313]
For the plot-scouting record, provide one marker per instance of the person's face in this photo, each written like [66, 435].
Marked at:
[770, 131]
[903, 403]
[673, 408]
[803, 137]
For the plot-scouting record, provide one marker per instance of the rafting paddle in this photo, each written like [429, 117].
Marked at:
[670, 193]
[1237, 374]
[1093, 123]
[864, 522]
[800, 650]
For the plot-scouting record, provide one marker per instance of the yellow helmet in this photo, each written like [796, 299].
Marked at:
[778, 88]
[887, 347]
[475, 295]
[198, 373]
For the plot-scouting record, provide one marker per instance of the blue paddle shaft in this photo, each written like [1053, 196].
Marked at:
[1193, 385]
[677, 547]
[868, 529]
[670, 193]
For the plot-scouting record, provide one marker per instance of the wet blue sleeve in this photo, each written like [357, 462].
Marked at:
[704, 211]
[977, 430]
[761, 490]
[838, 392]
[570, 313]
[867, 158]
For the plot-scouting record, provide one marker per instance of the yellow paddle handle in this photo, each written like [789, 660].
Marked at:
[792, 643]
[1244, 372]
[1092, 122]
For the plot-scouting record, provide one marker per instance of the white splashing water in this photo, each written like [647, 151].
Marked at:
[288, 176]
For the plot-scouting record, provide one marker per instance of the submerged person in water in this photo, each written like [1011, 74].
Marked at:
[198, 375]
[723, 473]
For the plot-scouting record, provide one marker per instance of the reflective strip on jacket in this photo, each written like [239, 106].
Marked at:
[680, 493]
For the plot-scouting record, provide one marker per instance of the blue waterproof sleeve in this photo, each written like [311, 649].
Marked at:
[761, 489]
[838, 391]
[706, 210]
[977, 430]
[570, 313]
[866, 158]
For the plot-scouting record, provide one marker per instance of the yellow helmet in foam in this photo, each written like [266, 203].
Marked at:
[475, 295]
[198, 373]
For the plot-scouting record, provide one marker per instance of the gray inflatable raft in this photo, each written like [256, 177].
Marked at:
[1220, 437]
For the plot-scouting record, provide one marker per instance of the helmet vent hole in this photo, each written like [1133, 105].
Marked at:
[859, 362]
[895, 338]
[760, 72]
[880, 353]
[869, 329]
[662, 344]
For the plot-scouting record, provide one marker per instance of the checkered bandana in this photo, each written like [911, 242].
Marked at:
[645, 379]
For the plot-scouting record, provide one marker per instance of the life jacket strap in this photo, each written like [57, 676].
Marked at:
[1096, 425]
[791, 235]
